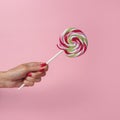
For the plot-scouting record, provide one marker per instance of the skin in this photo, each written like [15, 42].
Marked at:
[15, 77]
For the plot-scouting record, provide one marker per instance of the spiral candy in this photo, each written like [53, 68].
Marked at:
[73, 41]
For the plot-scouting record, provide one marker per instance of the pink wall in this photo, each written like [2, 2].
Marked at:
[85, 88]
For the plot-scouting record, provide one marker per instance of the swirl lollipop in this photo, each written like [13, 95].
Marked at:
[73, 42]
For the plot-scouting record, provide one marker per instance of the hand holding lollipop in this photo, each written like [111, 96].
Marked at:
[73, 42]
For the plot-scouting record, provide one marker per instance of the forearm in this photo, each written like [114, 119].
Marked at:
[3, 79]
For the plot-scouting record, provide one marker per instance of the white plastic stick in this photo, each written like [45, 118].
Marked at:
[50, 60]
[57, 54]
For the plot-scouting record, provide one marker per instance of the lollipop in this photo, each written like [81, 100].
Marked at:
[73, 42]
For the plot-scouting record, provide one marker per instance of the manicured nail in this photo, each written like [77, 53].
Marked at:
[29, 74]
[43, 64]
[42, 70]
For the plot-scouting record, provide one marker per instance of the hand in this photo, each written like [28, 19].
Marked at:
[27, 73]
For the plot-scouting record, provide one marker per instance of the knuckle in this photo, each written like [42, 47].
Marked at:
[43, 74]
[37, 75]
[46, 68]
[33, 63]
[38, 80]
[24, 66]
[31, 83]
[26, 82]
[32, 80]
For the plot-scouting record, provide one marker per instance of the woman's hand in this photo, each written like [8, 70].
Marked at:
[27, 73]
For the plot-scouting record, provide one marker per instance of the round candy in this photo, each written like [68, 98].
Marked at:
[73, 41]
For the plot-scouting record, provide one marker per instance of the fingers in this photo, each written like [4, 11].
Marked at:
[35, 66]
[29, 81]
[34, 77]
[37, 75]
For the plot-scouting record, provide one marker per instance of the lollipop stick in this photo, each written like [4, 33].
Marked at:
[50, 60]
[21, 86]
[57, 54]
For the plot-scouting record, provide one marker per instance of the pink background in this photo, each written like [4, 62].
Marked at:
[84, 88]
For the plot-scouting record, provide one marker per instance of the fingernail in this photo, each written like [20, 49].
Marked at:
[42, 70]
[43, 64]
[29, 74]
